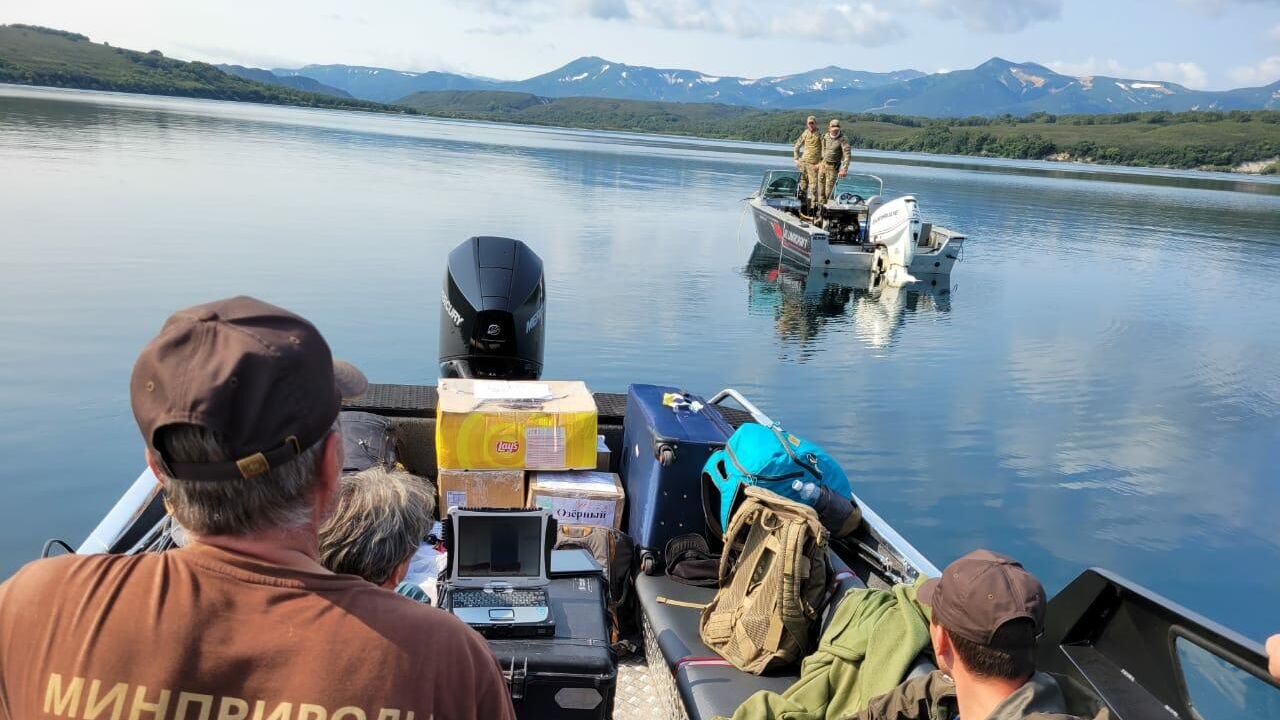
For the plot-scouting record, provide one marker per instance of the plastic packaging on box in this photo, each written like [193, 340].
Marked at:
[603, 456]
[580, 498]
[497, 425]
[480, 488]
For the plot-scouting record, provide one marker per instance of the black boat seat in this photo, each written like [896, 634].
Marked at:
[708, 685]
[674, 626]
[710, 690]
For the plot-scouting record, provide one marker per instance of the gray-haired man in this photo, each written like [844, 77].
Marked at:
[381, 519]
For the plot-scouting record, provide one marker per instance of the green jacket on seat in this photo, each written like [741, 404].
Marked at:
[873, 638]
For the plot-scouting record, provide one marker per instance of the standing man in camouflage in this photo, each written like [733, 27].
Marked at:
[835, 160]
[807, 153]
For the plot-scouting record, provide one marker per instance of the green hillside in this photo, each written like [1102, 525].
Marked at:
[1216, 140]
[32, 55]
[1156, 139]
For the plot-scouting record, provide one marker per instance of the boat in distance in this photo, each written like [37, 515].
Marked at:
[856, 229]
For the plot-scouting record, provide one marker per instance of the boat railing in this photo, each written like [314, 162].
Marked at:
[730, 393]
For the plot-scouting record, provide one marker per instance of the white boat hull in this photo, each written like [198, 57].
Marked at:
[807, 245]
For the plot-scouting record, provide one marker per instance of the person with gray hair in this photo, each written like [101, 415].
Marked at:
[238, 402]
[381, 519]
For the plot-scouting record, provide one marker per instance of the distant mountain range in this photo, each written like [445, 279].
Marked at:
[995, 87]
[1245, 142]
[297, 82]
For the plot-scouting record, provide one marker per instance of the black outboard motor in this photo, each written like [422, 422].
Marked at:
[492, 311]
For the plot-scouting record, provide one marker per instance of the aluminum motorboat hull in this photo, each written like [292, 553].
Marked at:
[805, 244]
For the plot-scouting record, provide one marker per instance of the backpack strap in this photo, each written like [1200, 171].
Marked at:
[805, 463]
[682, 603]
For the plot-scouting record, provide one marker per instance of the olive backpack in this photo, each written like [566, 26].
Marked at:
[772, 585]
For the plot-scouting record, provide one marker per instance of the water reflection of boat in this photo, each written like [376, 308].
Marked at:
[804, 302]
[857, 229]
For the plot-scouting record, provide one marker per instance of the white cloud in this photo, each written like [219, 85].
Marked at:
[1183, 73]
[1217, 8]
[862, 22]
[1275, 33]
[995, 16]
[1263, 73]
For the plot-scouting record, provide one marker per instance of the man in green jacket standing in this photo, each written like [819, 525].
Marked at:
[987, 612]
[807, 153]
[835, 159]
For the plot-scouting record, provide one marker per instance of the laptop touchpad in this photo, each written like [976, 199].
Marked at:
[502, 614]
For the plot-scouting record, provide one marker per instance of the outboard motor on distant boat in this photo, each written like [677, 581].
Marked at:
[492, 311]
[894, 228]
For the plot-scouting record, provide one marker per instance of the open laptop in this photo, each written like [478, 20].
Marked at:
[498, 566]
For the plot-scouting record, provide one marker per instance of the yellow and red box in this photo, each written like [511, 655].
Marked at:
[515, 425]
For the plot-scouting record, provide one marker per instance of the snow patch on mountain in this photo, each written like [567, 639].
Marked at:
[1027, 78]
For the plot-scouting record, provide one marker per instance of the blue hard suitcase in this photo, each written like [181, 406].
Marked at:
[663, 450]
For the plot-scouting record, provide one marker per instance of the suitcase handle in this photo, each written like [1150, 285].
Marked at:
[746, 404]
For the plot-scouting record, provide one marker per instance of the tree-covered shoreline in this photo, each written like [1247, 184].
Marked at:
[1212, 140]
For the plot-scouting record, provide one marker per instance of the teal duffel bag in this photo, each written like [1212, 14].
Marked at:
[774, 459]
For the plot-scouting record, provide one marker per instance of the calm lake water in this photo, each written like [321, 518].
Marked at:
[1096, 384]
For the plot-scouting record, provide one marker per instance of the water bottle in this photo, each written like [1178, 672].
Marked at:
[807, 492]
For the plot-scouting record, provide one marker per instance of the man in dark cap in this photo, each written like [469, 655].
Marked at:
[987, 612]
[835, 160]
[237, 401]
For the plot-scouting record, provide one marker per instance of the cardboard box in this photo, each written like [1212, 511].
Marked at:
[603, 456]
[480, 488]
[501, 425]
[579, 498]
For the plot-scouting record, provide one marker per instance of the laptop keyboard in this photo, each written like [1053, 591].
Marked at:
[485, 599]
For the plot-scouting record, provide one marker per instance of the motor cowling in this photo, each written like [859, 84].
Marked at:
[894, 228]
[492, 311]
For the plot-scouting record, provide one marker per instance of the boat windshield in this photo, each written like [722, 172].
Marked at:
[859, 184]
[780, 184]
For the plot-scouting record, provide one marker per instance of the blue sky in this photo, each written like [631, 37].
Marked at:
[1200, 43]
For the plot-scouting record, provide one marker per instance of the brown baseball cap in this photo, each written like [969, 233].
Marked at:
[981, 591]
[258, 375]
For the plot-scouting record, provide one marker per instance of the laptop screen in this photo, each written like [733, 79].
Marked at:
[499, 546]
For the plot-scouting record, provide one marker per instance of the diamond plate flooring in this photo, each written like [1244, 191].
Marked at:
[637, 698]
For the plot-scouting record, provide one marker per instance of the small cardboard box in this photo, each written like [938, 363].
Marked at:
[480, 488]
[579, 498]
[502, 425]
[603, 456]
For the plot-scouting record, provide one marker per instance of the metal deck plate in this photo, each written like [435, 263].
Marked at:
[637, 698]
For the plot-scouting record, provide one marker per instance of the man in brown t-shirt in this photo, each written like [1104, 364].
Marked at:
[237, 401]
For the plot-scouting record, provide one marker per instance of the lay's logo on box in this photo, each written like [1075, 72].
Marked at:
[525, 425]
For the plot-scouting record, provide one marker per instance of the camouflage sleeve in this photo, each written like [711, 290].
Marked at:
[846, 153]
[795, 148]
[912, 700]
